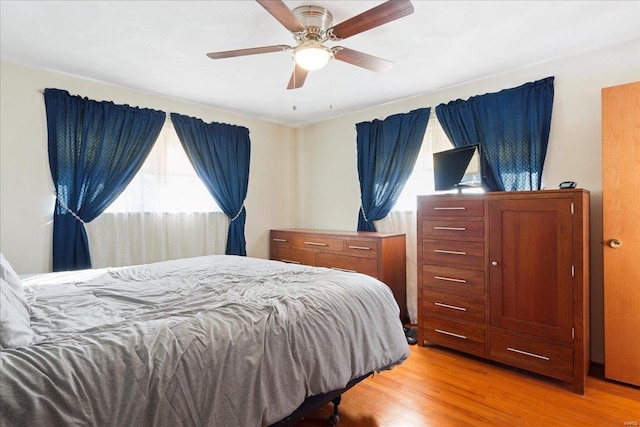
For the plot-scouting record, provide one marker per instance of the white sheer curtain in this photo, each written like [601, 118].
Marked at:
[405, 222]
[402, 218]
[165, 213]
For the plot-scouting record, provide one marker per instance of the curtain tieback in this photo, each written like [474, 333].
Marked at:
[238, 214]
[64, 205]
[363, 214]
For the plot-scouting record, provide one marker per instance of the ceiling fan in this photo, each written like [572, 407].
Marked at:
[311, 27]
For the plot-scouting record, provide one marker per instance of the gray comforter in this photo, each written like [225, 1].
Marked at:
[209, 341]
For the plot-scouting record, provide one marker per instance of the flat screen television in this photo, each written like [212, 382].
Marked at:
[457, 168]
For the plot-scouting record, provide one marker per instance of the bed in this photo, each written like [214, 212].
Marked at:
[207, 341]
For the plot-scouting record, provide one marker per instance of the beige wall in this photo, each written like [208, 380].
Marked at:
[328, 153]
[26, 189]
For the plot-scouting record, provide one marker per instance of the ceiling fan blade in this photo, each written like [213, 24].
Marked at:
[363, 60]
[283, 14]
[297, 78]
[379, 15]
[249, 51]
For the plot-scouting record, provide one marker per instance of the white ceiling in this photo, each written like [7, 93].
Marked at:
[160, 47]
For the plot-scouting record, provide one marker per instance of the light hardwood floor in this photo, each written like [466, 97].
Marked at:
[439, 387]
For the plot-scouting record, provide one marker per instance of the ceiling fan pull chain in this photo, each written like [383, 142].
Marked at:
[294, 107]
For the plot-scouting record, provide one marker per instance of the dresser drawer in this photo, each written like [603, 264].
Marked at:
[451, 280]
[458, 335]
[293, 256]
[451, 207]
[363, 248]
[282, 239]
[368, 266]
[470, 254]
[318, 242]
[453, 307]
[530, 354]
[452, 229]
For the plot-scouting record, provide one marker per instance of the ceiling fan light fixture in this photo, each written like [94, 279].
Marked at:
[312, 55]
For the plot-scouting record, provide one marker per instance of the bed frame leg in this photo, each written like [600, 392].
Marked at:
[335, 417]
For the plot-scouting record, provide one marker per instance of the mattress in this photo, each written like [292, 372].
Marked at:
[207, 341]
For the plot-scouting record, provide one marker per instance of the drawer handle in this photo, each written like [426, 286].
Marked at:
[453, 307]
[449, 279]
[315, 244]
[362, 248]
[440, 331]
[442, 251]
[290, 261]
[279, 240]
[451, 228]
[343, 269]
[526, 353]
[450, 208]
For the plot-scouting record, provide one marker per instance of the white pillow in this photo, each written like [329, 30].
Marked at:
[9, 275]
[15, 327]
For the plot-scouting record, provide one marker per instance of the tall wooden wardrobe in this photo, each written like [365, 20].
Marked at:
[505, 276]
[621, 231]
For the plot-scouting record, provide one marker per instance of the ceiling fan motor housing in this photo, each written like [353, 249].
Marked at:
[317, 20]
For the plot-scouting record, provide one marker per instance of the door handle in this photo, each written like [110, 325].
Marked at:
[615, 243]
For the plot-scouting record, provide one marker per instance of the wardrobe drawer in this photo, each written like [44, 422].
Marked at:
[470, 254]
[293, 256]
[453, 307]
[452, 229]
[282, 239]
[367, 266]
[452, 334]
[452, 280]
[363, 248]
[451, 207]
[318, 242]
[530, 354]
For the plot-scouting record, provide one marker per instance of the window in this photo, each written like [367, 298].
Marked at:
[166, 182]
[421, 179]
[165, 213]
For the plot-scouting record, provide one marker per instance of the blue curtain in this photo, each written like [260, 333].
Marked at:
[512, 127]
[95, 149]
[220, 154]
[387, 153]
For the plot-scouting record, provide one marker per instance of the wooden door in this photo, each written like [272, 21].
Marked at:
[530, 255]
[621, 231]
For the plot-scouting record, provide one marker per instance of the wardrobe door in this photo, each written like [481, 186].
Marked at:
[621, 231]
[530, 257]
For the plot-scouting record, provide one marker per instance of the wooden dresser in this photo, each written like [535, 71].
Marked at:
[505, 276]
[379, 255]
